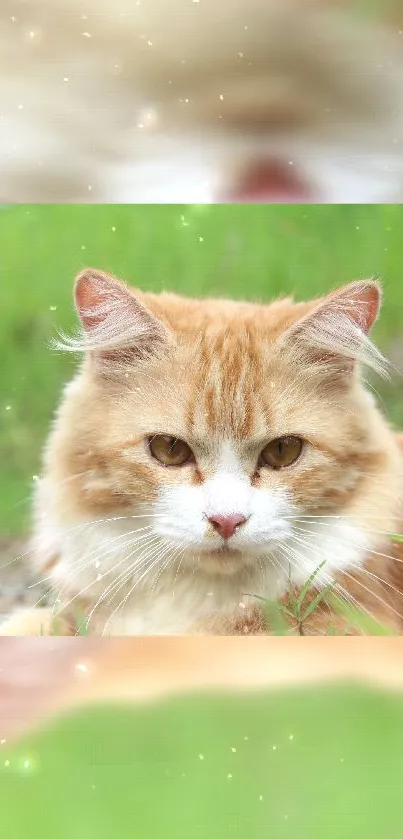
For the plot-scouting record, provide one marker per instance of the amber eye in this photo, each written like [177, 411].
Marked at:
[282, 452]
[169, 451]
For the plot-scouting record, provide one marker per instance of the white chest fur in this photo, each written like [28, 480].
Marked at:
[103, 563]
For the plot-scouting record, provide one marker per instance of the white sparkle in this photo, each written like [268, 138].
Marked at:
[6, 763]
[52, 308]
[233, 749]
[87, 35]
[66, 79]
[260, 797]
[8, 407]
[89, 187]
[113, 229]
[274, 748]
[35, 478]
[290, 736]
[83, 247]
[240, 55]
[150, 43]
[20, 107]
[222, 97]
[229, 777]
[148, 118]
[2, 741]
[201, 757]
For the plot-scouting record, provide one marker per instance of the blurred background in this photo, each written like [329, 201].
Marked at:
[188, 738]
[200, 101]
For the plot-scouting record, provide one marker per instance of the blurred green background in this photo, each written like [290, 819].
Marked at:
[250, 251]
[313, 763]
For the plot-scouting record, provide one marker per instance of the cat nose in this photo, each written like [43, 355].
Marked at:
[227, 525]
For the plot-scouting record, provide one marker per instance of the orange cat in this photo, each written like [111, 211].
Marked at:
[210, 453]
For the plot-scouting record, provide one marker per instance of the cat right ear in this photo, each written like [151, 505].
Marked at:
[334, 336]
[115, 325]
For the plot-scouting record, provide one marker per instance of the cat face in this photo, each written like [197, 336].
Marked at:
[224, 425]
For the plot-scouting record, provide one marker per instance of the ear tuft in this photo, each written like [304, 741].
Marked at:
[335, 333]
[360, 302]
[115, 325]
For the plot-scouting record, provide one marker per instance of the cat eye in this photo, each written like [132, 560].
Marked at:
[169, 450]
[283, 451]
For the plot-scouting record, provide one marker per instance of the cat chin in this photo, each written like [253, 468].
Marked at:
[220, 562]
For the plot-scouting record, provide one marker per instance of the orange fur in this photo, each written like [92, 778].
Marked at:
[207, 371]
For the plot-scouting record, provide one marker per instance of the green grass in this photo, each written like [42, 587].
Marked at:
[239, 251]
[291, 619]
[313, 763]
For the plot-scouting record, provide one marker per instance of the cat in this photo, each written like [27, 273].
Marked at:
[209, 453]
[179, 100]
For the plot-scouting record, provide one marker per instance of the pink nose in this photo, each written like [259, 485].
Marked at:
[227, 525]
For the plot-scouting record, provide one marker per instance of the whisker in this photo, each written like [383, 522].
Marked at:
[359, 605]
[137, 582]
[92, 583]
[127, 571]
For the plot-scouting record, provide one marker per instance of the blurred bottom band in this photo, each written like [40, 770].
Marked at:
[317, 761]
[40, 677]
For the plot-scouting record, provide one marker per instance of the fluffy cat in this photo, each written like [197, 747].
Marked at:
[209, 453]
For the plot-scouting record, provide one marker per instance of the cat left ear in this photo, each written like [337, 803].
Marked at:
[115, 325]
[336, 332]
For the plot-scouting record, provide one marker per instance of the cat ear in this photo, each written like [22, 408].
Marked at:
[115, 325]
[335, 333]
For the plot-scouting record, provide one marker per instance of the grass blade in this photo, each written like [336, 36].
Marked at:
[308, 585]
